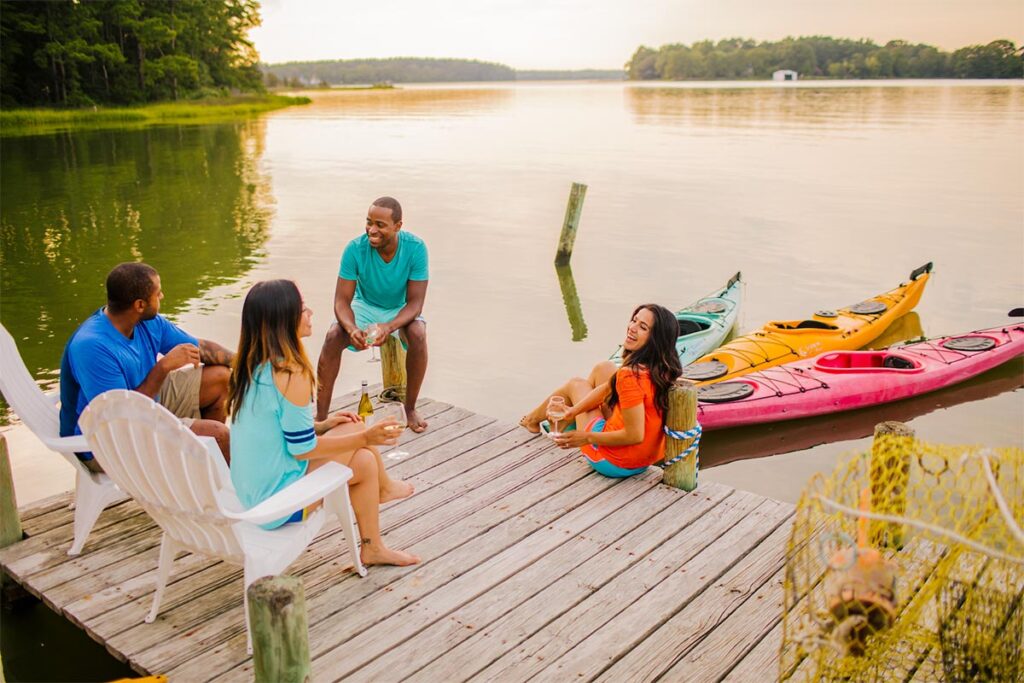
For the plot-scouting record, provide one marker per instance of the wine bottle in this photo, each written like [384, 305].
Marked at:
[365, 407]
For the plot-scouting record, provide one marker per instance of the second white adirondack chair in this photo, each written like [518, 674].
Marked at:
[93, 492]
[174, 477]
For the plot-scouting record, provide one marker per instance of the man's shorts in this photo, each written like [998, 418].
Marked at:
[367, 314]
[180, 393]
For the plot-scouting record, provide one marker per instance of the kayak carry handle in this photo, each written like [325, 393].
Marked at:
[1016, 313]
[918, 272]
[733, 280]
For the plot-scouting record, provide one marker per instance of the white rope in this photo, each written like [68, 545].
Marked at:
[997, 493]
[981, 548]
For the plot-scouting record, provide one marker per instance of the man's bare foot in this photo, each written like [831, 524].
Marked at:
[380, 554]
[414, 421]
[529, 424]
[396, 490]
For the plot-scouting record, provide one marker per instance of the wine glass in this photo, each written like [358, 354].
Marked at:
[556, 413]
[396, 412]
[372, 332]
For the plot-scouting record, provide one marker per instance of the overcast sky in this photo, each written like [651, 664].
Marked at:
[574, 34]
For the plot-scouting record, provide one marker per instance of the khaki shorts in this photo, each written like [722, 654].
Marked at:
[180, 393]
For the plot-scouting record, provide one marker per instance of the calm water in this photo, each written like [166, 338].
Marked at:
[820, 194]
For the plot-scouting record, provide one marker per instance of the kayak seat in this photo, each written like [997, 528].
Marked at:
[690, 327]
[897, 362]
[814, 325]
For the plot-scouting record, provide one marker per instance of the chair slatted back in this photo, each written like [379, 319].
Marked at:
[34, 408]
[150, 454]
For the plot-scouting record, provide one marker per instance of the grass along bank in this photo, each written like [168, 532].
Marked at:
[29, 121]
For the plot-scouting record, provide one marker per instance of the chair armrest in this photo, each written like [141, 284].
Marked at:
[67, 444]
[305, 491]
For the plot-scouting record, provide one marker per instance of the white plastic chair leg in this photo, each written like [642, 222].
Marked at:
[90, 500]
[168, 550]
[341, 506]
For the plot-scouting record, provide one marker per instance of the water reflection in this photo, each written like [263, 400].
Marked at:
[758, 441]
[817, 106]
[191, 201]
[403, 103]
[571, 299]
[903, 328]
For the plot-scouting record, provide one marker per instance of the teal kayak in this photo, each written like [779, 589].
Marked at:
[704, 324]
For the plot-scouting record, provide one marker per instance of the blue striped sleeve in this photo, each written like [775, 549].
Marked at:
[297, 427]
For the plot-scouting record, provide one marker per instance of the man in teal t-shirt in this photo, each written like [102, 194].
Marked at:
[382, 280]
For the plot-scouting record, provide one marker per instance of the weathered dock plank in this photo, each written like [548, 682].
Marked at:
[533, 566]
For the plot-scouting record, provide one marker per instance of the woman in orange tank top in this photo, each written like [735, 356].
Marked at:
[620, 412]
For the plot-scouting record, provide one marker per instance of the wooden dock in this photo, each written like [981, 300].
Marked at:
[533, 567]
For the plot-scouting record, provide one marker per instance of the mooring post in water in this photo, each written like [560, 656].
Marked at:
[682, 419]
[280, 630]
[571, 299]
[392, 357]
[572, 221]
[889, 473]
[10, 522]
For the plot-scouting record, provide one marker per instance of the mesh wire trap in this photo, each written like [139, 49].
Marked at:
[907, 563]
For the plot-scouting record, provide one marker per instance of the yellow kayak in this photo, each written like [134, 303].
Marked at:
[785, 341]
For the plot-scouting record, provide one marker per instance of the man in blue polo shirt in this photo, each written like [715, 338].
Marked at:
[382, 279]
[117, 348]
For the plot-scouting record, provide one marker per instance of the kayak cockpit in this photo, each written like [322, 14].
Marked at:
[792, 325]
[861, 361]
[688, 326]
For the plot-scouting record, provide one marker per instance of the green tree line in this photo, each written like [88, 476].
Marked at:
[77, 53]
[394, 70]
[823, 57]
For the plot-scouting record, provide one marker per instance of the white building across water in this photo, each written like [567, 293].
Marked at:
[784, 75]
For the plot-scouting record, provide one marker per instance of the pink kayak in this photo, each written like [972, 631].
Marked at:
[847, 380]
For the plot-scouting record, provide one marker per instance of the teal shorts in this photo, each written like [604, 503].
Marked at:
[596, 459]
[367, 314]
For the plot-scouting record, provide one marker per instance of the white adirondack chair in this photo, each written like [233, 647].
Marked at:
[93, 492]
[175, 478]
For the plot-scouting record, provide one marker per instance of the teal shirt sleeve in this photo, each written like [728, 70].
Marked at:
[419, 270]
[349, 262]
[297, 426]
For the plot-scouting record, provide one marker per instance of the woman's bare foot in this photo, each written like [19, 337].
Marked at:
[380, 554]
[414, 421]
[396, 490]
[530, 424]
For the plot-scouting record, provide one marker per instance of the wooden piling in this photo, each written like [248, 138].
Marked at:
[889, 473]
[682, 417]
[572, 221]
[571, 299]
[280, 631]
[392, 362]
[10, 522]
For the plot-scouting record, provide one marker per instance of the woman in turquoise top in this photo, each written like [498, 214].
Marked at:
[274, 438]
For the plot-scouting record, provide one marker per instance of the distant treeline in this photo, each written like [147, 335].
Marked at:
[395, 70]
[570, 75]
[824, 57]
[74, 53]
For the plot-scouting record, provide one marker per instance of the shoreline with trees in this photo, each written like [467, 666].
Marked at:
[823, 57]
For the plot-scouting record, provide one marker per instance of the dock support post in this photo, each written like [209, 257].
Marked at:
[682, 417]
[889, 473]
[572, 221]
[10, 522]
[280, 632]
[571, 299]
[392, 362]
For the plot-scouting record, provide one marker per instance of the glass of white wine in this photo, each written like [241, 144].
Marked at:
[372, 332]
[556, 413]
[395, 412]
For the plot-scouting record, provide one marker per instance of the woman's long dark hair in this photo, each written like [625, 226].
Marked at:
[658, 356]
[270, 333]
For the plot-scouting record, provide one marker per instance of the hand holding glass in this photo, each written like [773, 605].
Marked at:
[372, 333]
[395, 412]
[556, 413]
